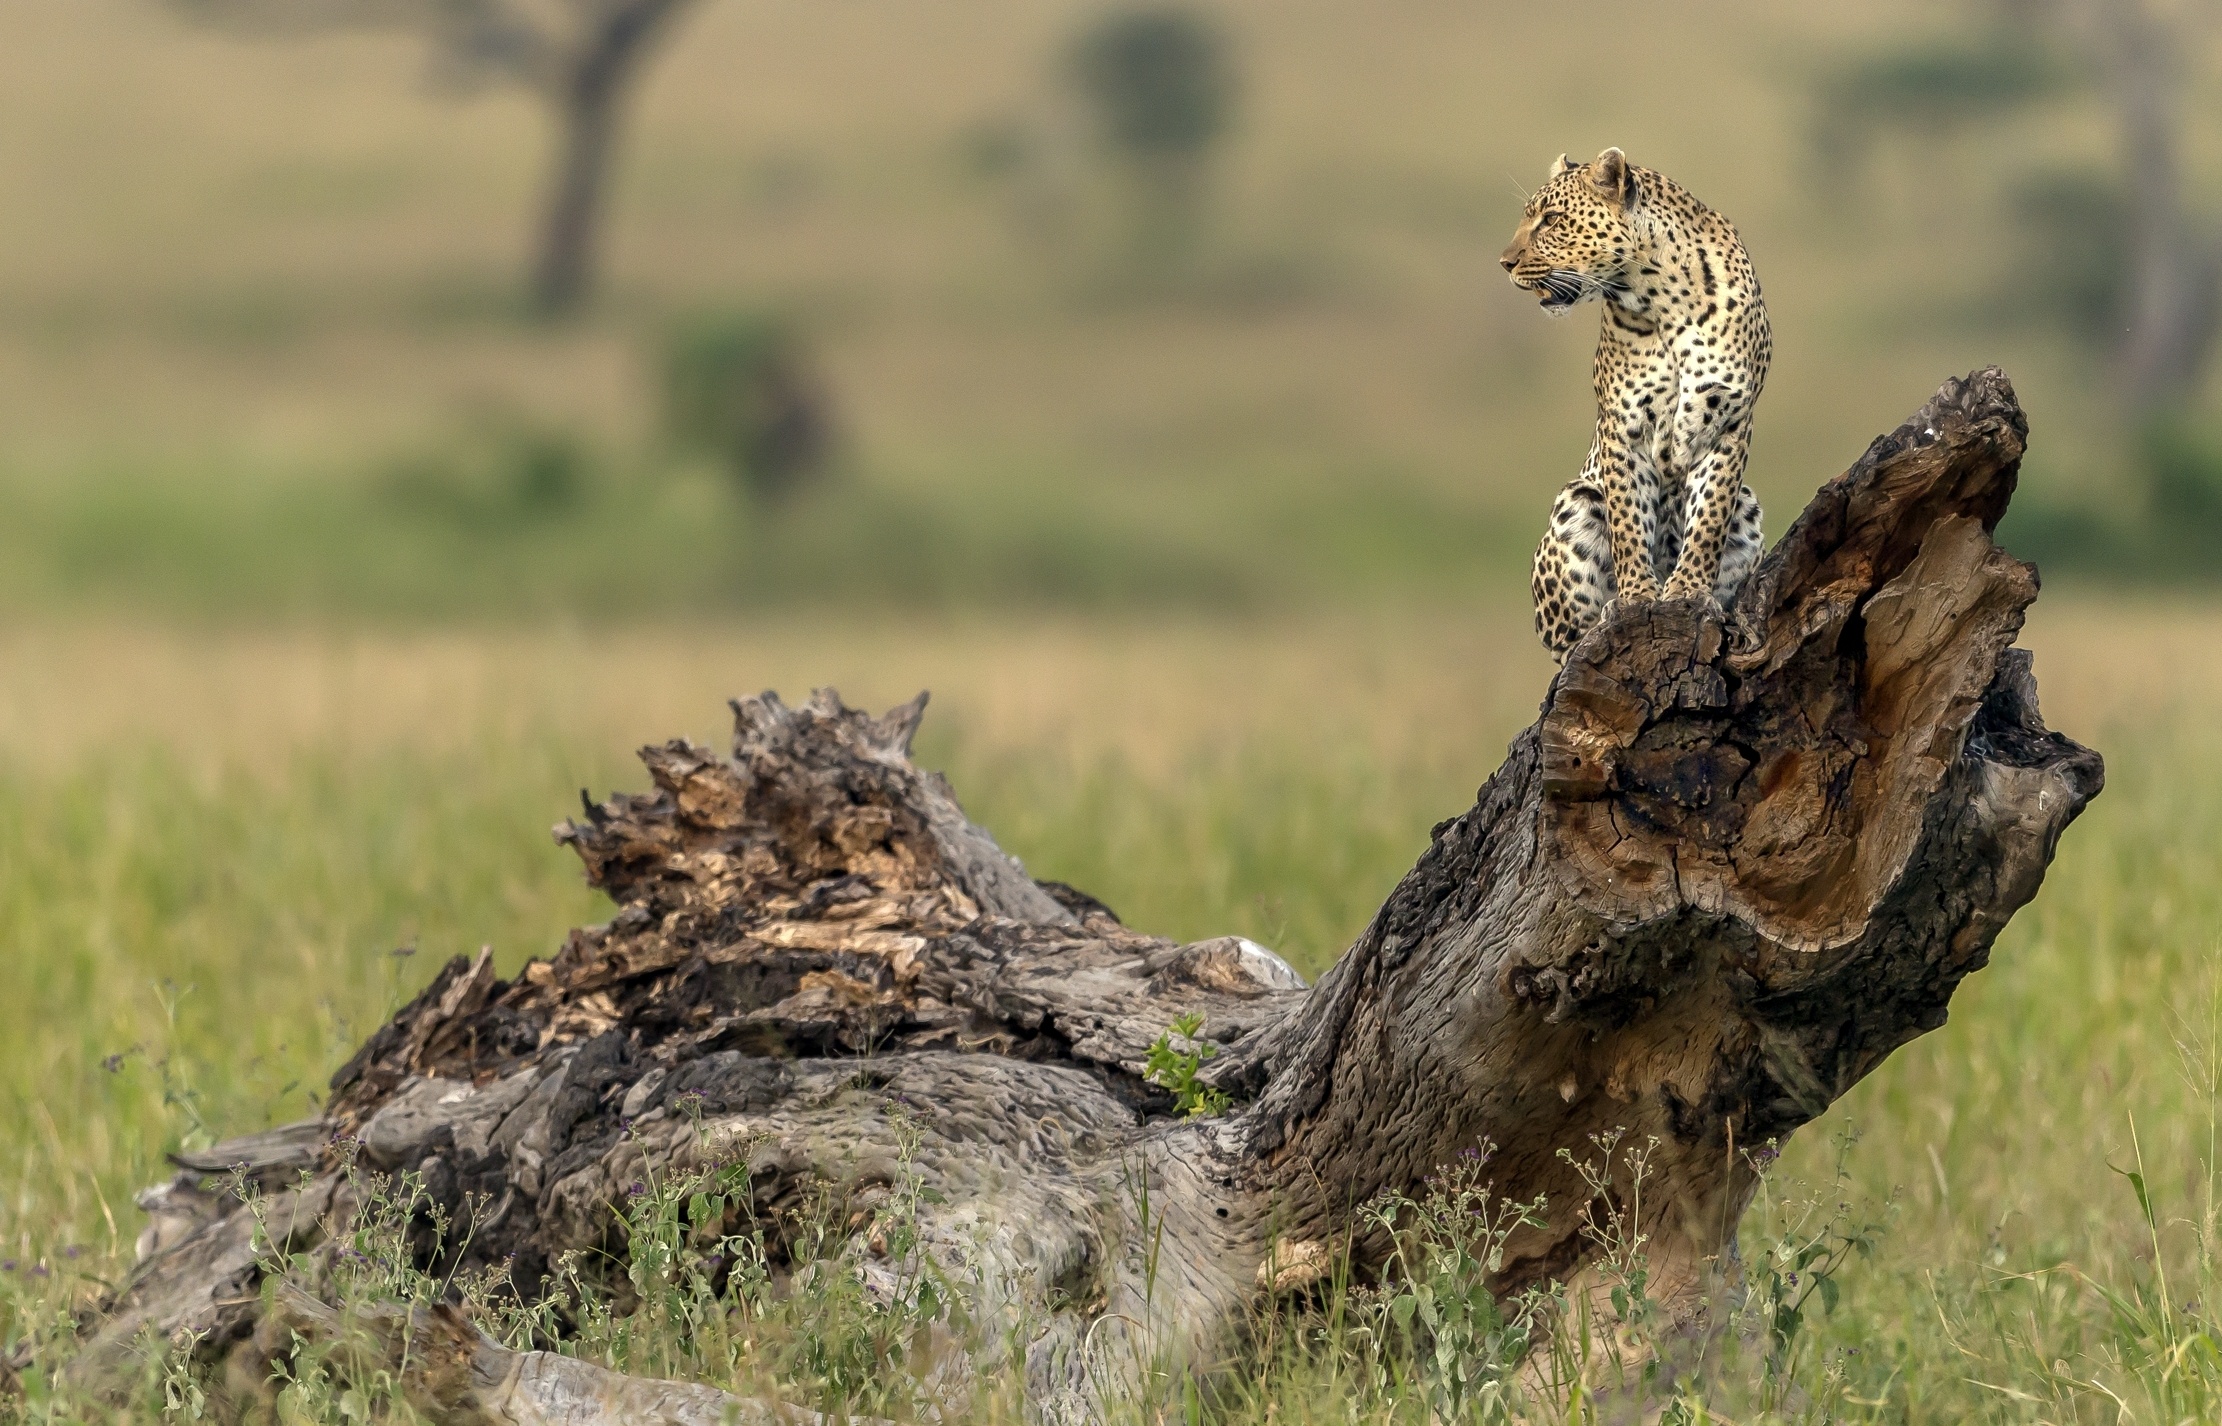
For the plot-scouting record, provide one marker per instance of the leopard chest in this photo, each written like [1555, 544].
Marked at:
[1641, 380]
[1675, 388]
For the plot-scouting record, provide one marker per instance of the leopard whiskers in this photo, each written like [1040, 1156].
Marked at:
[1569, 286]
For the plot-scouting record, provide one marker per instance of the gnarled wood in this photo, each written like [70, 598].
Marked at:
[1732, 866]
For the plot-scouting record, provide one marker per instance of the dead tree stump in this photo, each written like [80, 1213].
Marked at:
[1733, 865]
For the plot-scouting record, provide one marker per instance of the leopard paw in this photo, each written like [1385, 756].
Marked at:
[1629, 595]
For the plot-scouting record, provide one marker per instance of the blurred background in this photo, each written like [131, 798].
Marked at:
[410, 407]
[375, 310]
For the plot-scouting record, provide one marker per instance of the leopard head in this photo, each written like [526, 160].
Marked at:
[1575, 240]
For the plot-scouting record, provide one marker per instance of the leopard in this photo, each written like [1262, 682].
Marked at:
[1660, 509]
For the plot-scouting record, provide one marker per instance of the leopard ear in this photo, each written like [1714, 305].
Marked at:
[1614, 177]
[1564, 165]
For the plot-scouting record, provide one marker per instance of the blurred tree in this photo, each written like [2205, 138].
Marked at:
[1161, 87]
[2113, 254]
[2170, 303]
[2115, 257]
[580, 56]
[737, 389]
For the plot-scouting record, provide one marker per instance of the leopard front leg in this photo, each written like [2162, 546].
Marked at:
[1718, 501]
[1740, 550]
[1573, 577]
[1630, 484]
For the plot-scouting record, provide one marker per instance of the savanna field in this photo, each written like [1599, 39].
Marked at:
[329, 576]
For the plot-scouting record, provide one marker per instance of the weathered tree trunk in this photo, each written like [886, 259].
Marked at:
[1728, 871]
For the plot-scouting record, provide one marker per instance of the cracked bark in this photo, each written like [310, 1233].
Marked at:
[1732, 866]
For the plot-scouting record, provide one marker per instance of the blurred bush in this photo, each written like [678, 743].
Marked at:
[2183, 468]
[1158, 79]
[737, 389]
[1932, 87]
[2173, 536]
[2069, 269]
[502, 469]
[1159, 84]
[995, 147]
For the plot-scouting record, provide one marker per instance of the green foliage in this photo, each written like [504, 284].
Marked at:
[2071, 230]
[503, 470]
[1814, 1239]
[737, 388]
[1174, 1069]
[2183, 462]
[1159, 80]
[2170, 537]
[1434, 1329]
[435, 537]
[1932, 84]
[703, 1287]
[1160, 86]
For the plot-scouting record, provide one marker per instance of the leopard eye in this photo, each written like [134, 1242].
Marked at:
[1547, 217]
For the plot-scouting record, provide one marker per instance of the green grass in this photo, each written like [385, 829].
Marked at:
[441, 534]
[195, 942]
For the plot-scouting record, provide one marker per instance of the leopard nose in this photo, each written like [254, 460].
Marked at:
[1509, 262]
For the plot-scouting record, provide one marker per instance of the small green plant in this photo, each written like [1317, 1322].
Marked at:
[1613, 1222]
[868, 1303]
[1435, 1328]
[1815, 1238]
[1175, 1069]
